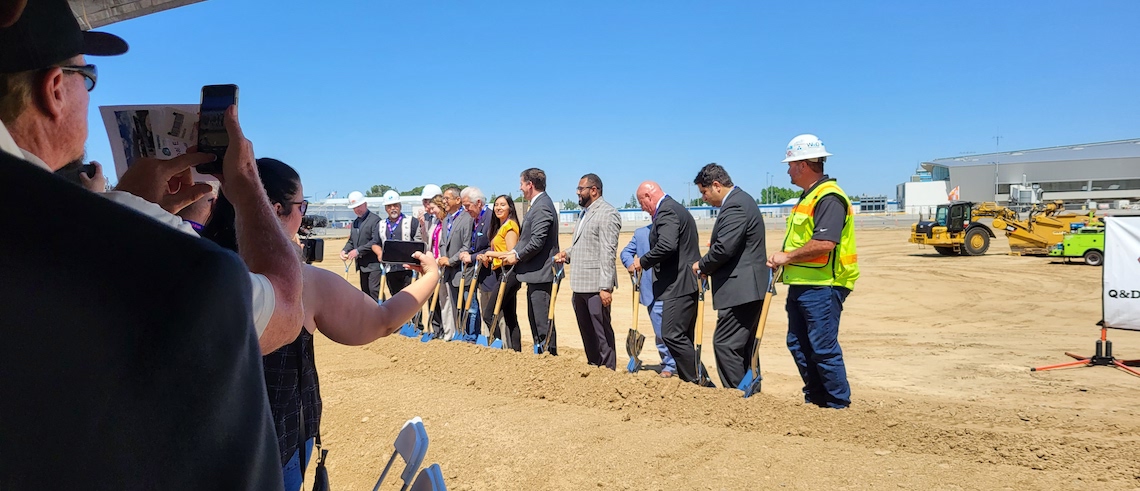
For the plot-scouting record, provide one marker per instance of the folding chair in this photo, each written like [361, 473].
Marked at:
[411, 445]
[430, 479]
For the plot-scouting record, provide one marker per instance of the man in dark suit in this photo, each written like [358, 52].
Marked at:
[736, 261]
[534, 255]
[147, 377]
[673, 248]
[365, 233]
[457, 227]
[475, 203]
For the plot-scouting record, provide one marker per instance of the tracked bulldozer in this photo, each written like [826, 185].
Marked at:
[957, 228]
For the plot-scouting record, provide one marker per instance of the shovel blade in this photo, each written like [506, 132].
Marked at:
[409, 330]
[497, 344]
[426, 337]
[481, 340]
[751, 384]
[634, 365]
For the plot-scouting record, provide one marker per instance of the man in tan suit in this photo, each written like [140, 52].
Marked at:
[594, 276]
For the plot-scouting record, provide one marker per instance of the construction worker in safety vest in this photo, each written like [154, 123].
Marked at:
[820, 269]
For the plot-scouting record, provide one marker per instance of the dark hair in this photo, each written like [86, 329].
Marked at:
[817, 165]
[711, 173]
[280, 182]
[593, 180]
[454, 190]
[535, 176]
[512, 214]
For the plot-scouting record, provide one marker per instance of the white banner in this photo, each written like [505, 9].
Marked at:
[1122, 273]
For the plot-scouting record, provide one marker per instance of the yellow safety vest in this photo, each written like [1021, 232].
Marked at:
[840, 267]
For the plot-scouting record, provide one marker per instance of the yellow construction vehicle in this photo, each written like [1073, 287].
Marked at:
[957, 229]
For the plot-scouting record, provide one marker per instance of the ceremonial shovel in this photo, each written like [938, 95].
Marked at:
[699, 334]
[751, 383]
[635, 340]
[559, 271]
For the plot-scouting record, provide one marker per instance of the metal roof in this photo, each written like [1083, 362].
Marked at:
[1121, 149]
[96, 13]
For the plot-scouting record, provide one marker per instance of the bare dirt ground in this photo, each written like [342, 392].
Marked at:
[938, 351]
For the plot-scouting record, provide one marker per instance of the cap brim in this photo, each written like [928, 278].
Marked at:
[103, 44]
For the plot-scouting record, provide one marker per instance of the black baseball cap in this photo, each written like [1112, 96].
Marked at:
[46, 34]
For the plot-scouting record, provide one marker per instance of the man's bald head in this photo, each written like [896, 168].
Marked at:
[648, 194]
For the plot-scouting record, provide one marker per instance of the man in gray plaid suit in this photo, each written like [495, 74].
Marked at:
[594, 273]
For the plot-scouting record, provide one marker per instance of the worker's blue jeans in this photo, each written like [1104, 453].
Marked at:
[668, 364]
[813, 339]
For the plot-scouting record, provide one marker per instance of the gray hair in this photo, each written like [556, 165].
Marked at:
[474, 194]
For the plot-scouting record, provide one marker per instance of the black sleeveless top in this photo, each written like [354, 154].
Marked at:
[294, 393]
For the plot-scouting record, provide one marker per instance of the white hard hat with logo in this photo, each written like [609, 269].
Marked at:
[430, 190]
[805, 147]
[391, 198]
[355, 198]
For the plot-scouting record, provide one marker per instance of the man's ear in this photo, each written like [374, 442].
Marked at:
[49, 94]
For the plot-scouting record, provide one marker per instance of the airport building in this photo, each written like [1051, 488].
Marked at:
[1102, 175]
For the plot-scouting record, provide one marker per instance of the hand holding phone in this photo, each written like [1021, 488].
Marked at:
[212, 136]
[401, 251]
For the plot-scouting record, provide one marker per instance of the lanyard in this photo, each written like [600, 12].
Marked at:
[451, 221]
[475, 231]
[392, 226]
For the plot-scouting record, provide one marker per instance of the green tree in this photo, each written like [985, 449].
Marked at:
[632, 203]
[520, 199]
[379, 190]
[416, 191]
[697, 202]
[773, 194]
[569, 204]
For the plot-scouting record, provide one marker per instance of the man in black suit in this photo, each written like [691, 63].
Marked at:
[673, 247]
[534, 255]
[736, 261]
[137, 362]
[365, 233]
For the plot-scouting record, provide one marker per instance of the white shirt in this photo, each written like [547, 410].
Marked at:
[532, 200]
[7, 144]
[657, 207]
[264, 300]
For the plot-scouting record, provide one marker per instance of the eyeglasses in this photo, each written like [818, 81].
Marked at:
[304, 205]
[580, 188]
[89, 72]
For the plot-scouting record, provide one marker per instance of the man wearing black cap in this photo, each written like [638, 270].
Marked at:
[130, 359]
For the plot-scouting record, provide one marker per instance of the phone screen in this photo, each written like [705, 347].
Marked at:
[400, 251]
[212, 136]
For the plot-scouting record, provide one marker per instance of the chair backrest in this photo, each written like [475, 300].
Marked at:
[412, 445]
[430, 479]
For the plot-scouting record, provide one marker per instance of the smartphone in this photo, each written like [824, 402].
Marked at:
[212, 136]
[88, 169]
[400, 251]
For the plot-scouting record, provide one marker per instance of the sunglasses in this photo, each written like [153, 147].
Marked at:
[304, 205]
[580, 188]
[89, 72]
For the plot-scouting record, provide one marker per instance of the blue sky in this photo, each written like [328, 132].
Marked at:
[356, 93]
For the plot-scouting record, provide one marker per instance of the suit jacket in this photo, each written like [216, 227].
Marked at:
[457, 240]
[673, 248]
[538, 242]
[593, 252]
[481, 244]
[364, 234]
[637, 247]
[132, 361]
[737, 256]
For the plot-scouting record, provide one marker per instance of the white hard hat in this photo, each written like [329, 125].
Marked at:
[430, 190]
[355, 198]
[805, 147]
[391, 198]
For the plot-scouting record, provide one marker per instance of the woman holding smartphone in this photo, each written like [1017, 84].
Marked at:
[505, 223]
[333, 306]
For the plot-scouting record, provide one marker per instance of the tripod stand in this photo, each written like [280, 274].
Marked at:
[1102, 357]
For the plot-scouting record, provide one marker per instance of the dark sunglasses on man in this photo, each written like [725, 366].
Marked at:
[89, 72]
